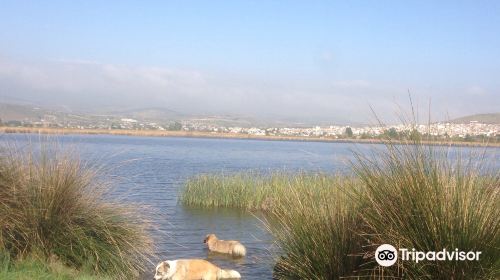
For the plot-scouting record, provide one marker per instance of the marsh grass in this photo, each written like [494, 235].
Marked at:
[55, 206]
[249, 190]
[422, 197]
[311, 216]
[408, 195]
[317, 235]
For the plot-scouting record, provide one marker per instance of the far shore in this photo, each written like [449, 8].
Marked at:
[199, 134]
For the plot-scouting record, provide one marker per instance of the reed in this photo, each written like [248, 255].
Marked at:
[427, 198]
[311, 216]
[318, 235]
[408, 195]
[55, 206]
[250, 190]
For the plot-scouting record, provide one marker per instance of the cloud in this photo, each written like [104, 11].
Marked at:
[93, 85]
[89, 82]
[476, 91]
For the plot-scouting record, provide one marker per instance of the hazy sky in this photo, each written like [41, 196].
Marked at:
[319, 60]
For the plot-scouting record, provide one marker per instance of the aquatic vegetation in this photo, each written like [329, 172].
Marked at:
[416, 196]
[250, 191]
[311, 216]
[317, 235]
[55, 206]
[408, 195]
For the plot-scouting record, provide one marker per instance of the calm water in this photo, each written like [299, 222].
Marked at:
[153, 170]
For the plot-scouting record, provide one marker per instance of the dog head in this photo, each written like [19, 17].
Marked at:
[209, 238]
[162, 271]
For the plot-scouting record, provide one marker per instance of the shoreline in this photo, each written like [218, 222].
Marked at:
[214, 135]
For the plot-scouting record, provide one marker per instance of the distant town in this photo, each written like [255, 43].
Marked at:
[469, 131]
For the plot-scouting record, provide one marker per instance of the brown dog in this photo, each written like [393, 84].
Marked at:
[232, 247]
[193, 269]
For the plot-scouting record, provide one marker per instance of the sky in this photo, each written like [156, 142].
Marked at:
[298, 60]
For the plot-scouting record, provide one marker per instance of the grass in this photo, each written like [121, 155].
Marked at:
[53, 206]
[317, 234]
[250, 191]
[410, 196]
[415, 196]
[312, 217]
[35, 268]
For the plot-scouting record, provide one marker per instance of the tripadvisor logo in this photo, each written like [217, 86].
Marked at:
[387, 255]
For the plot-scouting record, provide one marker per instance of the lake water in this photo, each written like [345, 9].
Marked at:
[152, 171]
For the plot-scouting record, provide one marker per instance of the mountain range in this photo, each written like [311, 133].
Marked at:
[21, 112]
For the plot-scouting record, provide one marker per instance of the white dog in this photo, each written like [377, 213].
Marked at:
[193, 269]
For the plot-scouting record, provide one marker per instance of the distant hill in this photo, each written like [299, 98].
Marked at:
[150, 114]
[10, 112]
[493, 118]
[158, 114]
[31, 114]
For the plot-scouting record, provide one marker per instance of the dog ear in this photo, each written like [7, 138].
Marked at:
[162, 267]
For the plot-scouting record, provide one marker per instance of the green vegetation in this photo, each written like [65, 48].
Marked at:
[317, 234]
[411, 196]
[250, 191]
[176, 126]
[415, 196]
[348, 132]
[55, 207]
[34, 268]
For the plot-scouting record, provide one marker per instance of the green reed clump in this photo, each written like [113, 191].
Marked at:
[312, 217]
[317, 235]
[417, 196]
[250, 191]
[53, 205]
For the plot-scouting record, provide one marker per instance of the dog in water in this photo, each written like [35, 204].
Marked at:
[193, 269]
[232, 247]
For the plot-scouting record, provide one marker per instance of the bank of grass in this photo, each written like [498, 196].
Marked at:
[410, 196]
[251, 191]
[53, 206]
[41, 269]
